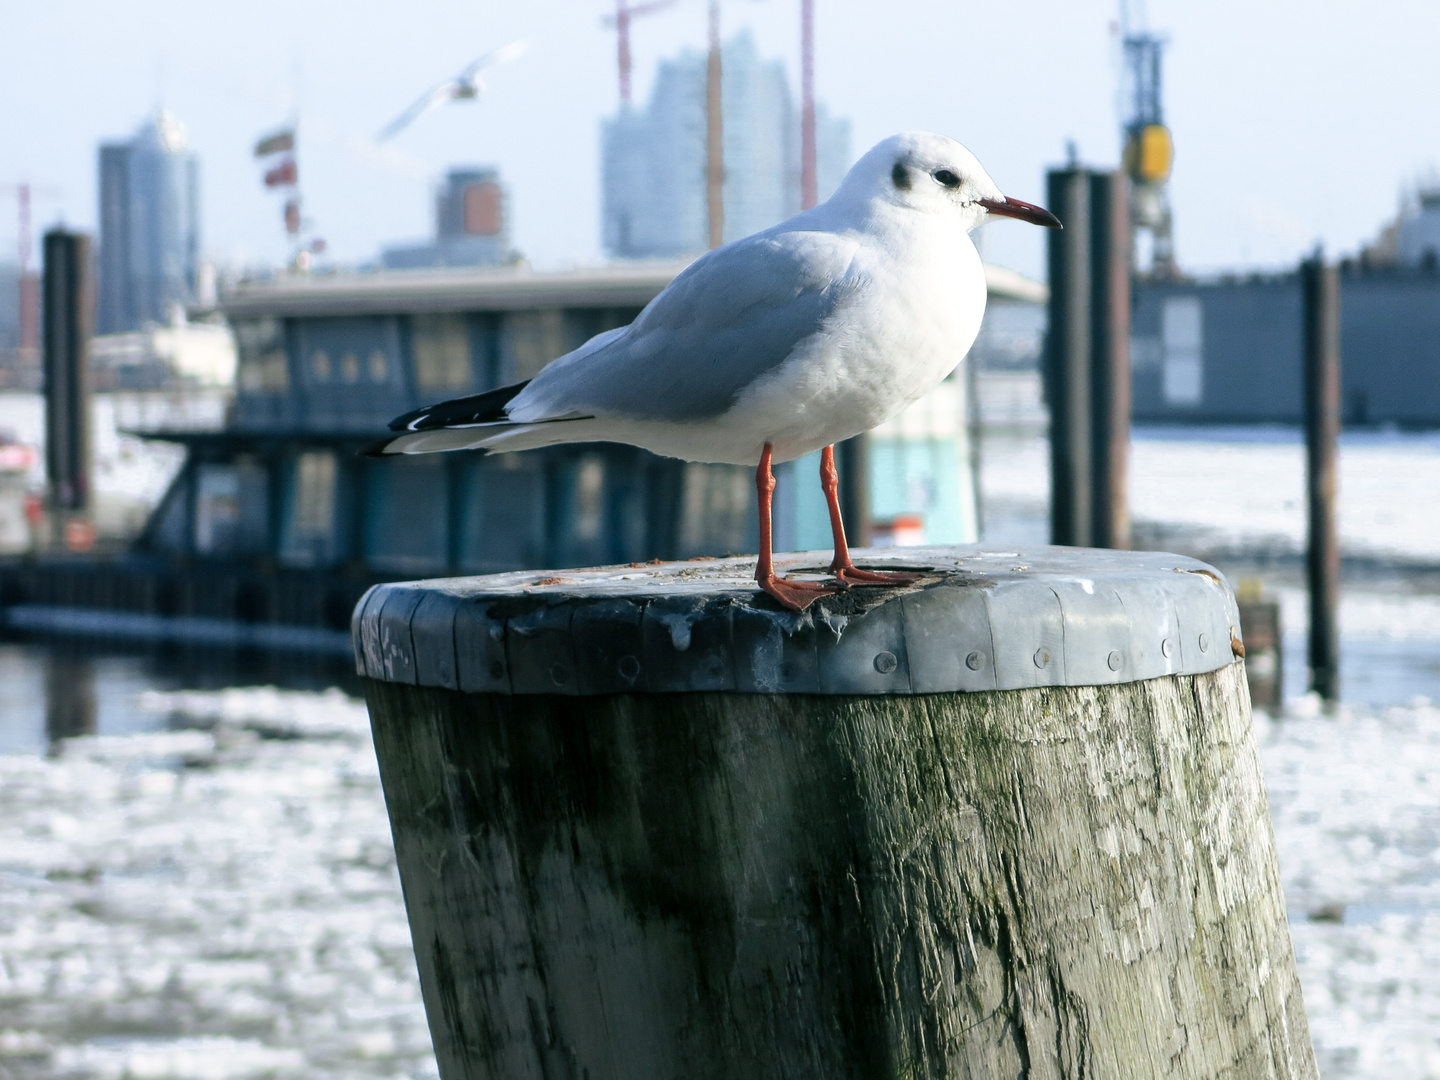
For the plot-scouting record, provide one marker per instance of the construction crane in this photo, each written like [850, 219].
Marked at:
[29, 284]
[714, 140]
[809, 194]
[1149, 151]
[624, 12]
[714, 134]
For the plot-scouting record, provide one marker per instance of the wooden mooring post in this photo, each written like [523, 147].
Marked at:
[66, 311]
[1007, 821]
[1086, 363]
[1320, 290]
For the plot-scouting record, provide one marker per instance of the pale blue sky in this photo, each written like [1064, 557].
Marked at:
[1293, 121]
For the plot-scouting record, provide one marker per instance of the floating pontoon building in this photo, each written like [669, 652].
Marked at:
[1229, 350]
[326, 362]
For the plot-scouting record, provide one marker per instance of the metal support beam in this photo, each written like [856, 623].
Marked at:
[1320, 288]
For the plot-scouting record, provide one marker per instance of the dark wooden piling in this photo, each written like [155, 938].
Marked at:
[1087, 359]
[1067, 358]
[1320, 286]
[1264, 647]
[67, 304]
[71, 706]
[1110, 359]
[1006, 821]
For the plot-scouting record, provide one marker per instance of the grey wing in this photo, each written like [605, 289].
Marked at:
[502, 55]
[729, 318]
[442, 93]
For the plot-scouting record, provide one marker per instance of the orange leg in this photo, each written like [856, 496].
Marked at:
[842, 567]
[796, 595]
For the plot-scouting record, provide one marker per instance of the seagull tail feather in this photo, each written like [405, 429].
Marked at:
[479, 422]
[496, 437]
[476, 409]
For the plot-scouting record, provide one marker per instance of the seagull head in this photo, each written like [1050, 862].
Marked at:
[922, 171]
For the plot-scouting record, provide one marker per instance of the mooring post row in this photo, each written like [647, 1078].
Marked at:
[977, 621]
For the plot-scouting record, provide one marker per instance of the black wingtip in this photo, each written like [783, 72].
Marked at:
[475, 409]
[375, 449]
[402, 423]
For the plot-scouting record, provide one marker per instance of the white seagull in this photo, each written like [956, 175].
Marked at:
[776, 345]
[464, 86]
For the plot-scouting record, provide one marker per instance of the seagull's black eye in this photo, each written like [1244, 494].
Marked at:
[946, 177]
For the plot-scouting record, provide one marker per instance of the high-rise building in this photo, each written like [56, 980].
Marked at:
[149, 227]
[654, 158]
[471, 226]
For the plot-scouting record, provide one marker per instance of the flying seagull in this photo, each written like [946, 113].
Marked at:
[776, 345]
[464, 86]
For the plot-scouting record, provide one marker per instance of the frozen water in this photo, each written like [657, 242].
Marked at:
[1244, 486]
[207, 903]
[1357, 823]
[1243, 490]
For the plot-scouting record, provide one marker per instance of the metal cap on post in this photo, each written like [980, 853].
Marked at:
[1320, 288]
[1075, 608]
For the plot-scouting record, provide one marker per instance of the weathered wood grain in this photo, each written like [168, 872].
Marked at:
[1061, 882]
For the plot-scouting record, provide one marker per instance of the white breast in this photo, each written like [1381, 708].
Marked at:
[906, 327]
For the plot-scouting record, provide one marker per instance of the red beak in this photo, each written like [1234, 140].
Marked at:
[1035, 215]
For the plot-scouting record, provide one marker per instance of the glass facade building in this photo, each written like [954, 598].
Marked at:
[149, 227]
[653, 170]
